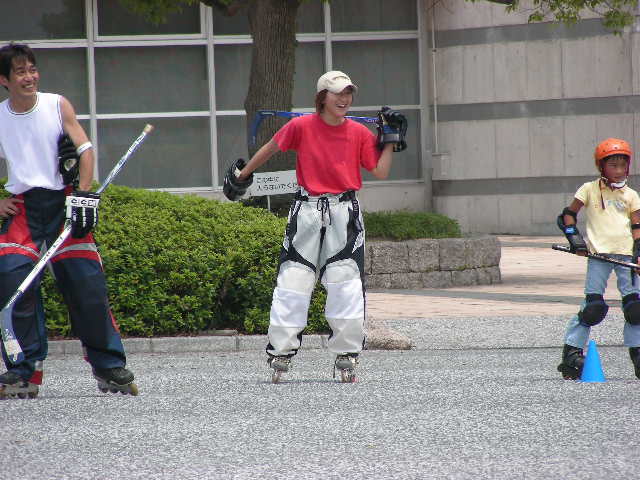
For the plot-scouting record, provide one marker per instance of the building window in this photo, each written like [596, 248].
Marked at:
[373, 15]
[38, 20]
[176, 156]
[384, 70]
[232, 65]
[132, 72]
[151, 79]
[115, 20]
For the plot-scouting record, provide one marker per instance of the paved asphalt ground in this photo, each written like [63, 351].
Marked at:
[477, 397]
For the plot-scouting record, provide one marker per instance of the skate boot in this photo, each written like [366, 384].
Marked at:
[572, 362]
[115, 380]
[280, 364]
[347, 364]
[634, 353]
[14, 386]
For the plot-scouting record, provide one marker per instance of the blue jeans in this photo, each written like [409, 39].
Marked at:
[598, 273]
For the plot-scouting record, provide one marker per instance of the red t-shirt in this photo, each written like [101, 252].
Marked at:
[329, 157]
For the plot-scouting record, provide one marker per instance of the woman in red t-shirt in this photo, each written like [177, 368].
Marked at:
[324, 237]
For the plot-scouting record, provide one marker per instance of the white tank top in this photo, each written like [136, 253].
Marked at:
[29, 143]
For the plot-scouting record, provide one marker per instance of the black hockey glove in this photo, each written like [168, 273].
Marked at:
[233, 188]
[82, 212]
[68, 160]
[576, 242]
[392, 128]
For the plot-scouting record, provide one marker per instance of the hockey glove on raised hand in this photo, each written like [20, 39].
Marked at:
[576, 242]
[82, 212]
[234, 188]
[68, 160]
[392, 128]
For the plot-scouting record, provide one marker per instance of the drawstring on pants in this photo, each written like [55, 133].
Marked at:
[323, 206]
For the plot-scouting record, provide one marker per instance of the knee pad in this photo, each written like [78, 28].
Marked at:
[296, 277]
[594, 310]
[341, 271]
[631, 308]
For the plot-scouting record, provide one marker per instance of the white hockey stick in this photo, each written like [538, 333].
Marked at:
[9, 340]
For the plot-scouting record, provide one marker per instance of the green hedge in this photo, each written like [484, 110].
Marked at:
[180, 265]
[403, 225]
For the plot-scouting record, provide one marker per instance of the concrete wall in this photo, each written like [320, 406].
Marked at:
[520, 108]
[433, 263]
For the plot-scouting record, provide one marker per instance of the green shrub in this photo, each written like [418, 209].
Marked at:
[180, 265]
[403, 225]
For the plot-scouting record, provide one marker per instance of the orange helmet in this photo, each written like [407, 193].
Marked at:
[611, 146]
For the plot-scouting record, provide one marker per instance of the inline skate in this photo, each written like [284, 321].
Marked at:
[114, 380]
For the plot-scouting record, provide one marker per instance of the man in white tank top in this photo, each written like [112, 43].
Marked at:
[31, 125]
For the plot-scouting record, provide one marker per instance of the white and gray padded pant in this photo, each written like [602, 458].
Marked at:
[324, 240]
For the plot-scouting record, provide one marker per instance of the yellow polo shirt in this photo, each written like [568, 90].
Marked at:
[608, 228]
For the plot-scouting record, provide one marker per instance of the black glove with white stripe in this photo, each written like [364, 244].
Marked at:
[82, 212]
[392, 128]
[234, 188]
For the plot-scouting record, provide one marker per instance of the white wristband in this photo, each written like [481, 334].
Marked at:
[82, 148]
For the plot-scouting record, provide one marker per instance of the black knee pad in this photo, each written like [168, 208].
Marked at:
[594, 311]
[631, 308]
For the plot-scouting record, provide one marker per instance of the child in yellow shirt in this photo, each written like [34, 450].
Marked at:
[613, 228]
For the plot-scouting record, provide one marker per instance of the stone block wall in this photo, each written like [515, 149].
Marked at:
[433, 263]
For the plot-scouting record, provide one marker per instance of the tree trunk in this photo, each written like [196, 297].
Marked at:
[273, 28]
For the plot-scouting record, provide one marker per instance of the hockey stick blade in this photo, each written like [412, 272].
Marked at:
[9, 339]
[599, 256]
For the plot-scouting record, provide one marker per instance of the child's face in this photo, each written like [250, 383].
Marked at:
[615, 168]
[338, 104]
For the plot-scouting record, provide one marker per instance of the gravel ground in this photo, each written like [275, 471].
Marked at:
[500, 332]
[439, 411]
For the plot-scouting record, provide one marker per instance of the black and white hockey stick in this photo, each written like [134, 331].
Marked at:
[262, 114]
[599, 256]
[9, 340]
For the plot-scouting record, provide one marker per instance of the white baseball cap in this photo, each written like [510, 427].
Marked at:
[335, 81]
